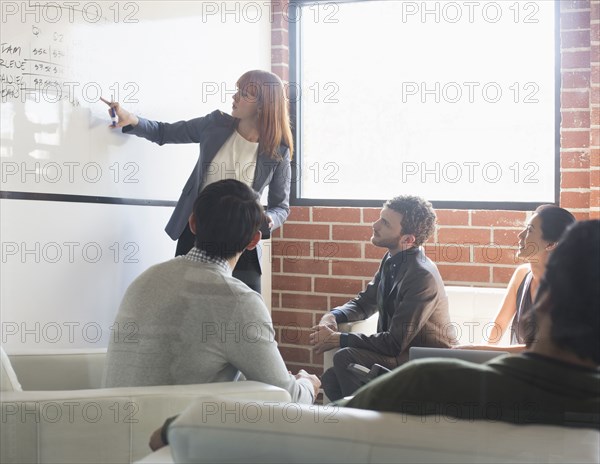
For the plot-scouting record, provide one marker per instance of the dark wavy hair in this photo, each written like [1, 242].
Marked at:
[555, 221]
[418, 217]
[228, 215]
[572, 277]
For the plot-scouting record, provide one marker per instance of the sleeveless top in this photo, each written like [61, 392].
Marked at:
[523, 325]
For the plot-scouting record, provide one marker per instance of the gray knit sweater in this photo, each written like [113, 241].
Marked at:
[187, 322]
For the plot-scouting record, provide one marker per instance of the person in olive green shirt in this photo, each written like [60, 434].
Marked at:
[556, 381]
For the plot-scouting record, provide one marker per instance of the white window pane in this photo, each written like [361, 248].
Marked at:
[454, 103]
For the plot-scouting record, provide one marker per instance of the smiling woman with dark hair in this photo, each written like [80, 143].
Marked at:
[536, 243]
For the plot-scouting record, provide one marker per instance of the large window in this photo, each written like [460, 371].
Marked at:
[455, 101]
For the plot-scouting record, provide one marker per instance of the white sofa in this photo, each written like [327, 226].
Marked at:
[471, 311]
[63, 416]
[221, 429]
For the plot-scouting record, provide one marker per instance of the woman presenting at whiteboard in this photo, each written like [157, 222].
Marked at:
[253, 145]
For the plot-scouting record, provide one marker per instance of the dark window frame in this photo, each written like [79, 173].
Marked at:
[295, 70]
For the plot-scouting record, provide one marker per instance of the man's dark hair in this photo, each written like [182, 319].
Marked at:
[228, 215]
[572, 276]
[418, 217]
[554, 221]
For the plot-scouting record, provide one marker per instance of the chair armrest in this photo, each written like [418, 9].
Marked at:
[161, 456]
[367, 326]
[221, 430]
[105, 425]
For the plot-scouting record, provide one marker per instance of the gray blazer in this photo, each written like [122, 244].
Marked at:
[211, 132]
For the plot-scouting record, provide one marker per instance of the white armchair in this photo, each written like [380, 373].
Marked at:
[68, 419]
[224, 430]
[472, 309]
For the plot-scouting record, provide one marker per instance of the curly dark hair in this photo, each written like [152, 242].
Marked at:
[418, 217]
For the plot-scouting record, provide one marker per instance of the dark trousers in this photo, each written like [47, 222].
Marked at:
[247, 268]
[339, 382]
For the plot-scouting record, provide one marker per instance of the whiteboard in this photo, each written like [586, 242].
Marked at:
[62, 280]
[93, 201]
[166, 61]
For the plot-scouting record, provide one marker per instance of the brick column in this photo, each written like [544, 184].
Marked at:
[280, 45]
[575, 135]
[595, 110]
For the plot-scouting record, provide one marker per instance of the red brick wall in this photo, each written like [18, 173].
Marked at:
[322, 256]
[594, 197]
[580, 124]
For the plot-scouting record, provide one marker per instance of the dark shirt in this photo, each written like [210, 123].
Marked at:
[525, 389]
[523, 327]
[389, 270]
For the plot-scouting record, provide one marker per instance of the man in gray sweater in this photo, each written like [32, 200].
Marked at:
[188, 321]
